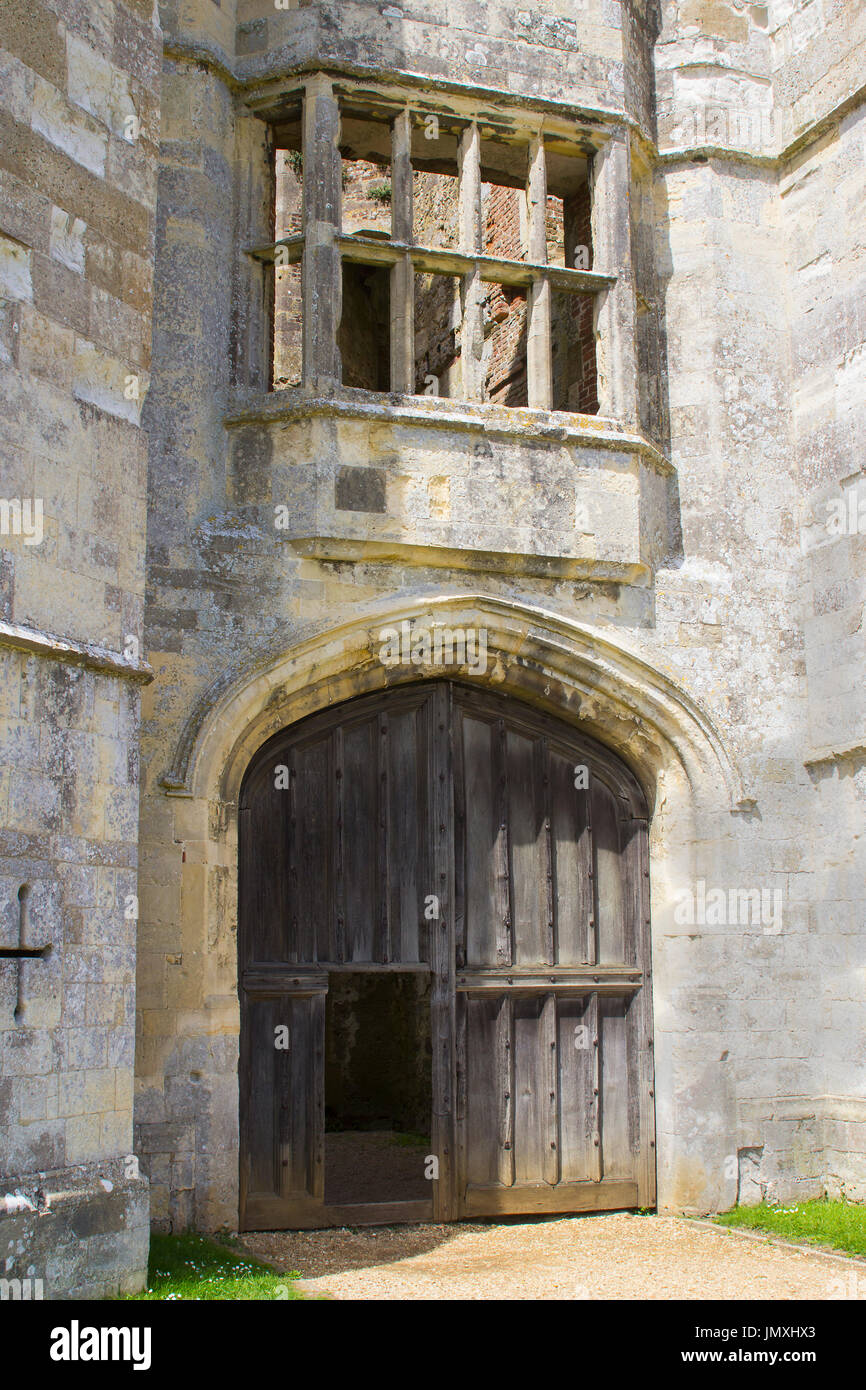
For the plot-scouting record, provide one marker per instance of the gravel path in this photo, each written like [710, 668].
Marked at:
[616, 1255]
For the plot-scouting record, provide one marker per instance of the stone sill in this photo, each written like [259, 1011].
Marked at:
[533, 566]
[519, 422]
[94, 657]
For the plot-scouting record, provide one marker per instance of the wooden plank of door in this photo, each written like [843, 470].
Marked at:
[316, 1084]
[292, 1100]
[577, 1104]
[504, 1062]
[572, 863]
[381, 949]
[460, 840]
[379, 1213]
[609, 874]
[531, 1091]
[293, 1087]
[597, 1112]
[263, 889]
[274, 980]
[564, 1198]
[644, 1018]
[551, 1096]
[618, 1082]
[550, 953]
[337, 936]
[258, 1166]
[484, 849]
[442, 948]
[360, 837]
[271, 1214]
[632, 838]
[589, 978]
[502, 915]
[527, 836]
[408, 883]
[311, 853]
[488, 1127]
[536, 1092]
[291, 946]
[461, 1097]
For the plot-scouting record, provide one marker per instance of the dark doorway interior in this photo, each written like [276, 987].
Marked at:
[364, 333]
[378, 1087]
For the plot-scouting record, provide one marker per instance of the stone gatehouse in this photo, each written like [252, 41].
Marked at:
[433, 517]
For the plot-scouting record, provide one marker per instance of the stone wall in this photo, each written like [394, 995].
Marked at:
[80, 127]
[764, 346]
[84, 1230]
[205, 328]
[745, 339]
[821, 189]
[681, 573]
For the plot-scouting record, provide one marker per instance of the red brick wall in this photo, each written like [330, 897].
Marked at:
[505, 307]
[435, 223]
[575, 384]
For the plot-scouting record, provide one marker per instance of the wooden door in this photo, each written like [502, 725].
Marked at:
[554, 1040]
[438, 829]
[340, 851]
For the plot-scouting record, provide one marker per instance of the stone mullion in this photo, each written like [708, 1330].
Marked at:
[615, 313]
[402, 312]
[539, 364]
[472, 329]
[322, 273]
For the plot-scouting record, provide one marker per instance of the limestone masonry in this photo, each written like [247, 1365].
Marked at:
[321, 318]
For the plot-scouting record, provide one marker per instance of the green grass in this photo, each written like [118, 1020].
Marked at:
[189, 1268]
[838, 1225]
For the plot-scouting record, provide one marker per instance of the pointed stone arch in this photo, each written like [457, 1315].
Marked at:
[593, 678]
[580, 672]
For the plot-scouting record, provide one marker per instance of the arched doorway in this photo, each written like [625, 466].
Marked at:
[473, 874]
